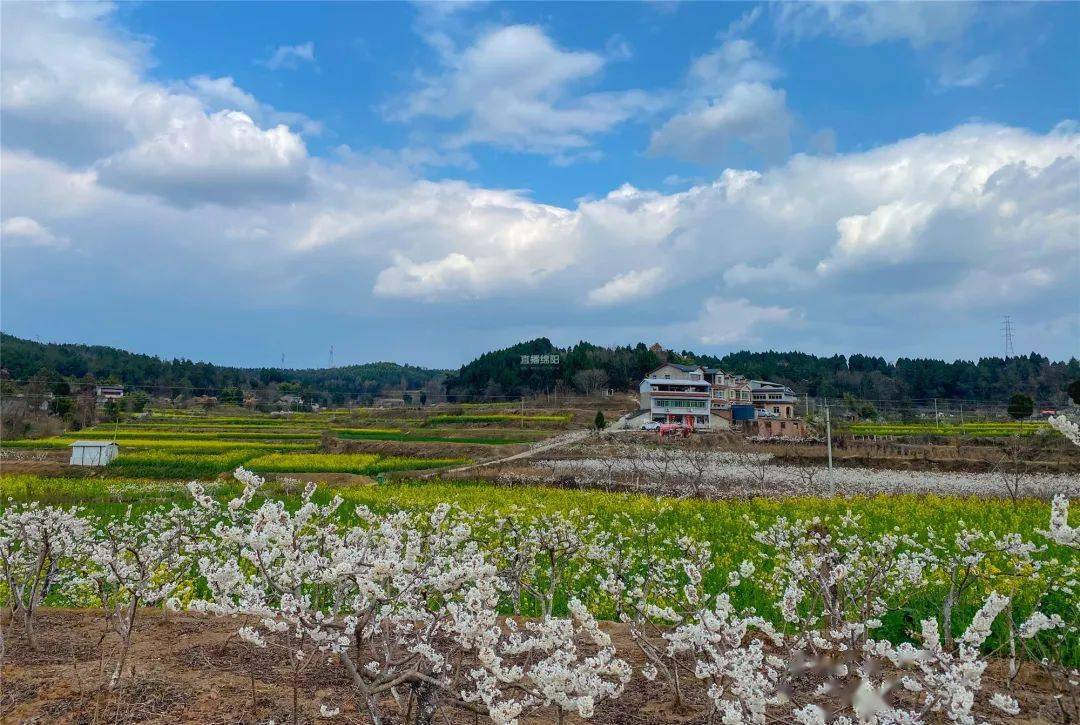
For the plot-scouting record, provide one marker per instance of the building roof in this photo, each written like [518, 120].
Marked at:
[91, 444]
[669, 381]
[680, 366]
[768, 385]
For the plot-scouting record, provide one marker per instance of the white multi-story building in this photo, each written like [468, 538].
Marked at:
[701, 396]
[675, 400]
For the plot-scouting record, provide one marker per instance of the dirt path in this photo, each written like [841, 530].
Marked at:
[551, 443]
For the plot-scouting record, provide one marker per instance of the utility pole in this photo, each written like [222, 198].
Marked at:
[828, 439]
[961, 412]
[936, 418]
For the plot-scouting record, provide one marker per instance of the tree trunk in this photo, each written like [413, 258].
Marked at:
[427, 703]
[28, 627]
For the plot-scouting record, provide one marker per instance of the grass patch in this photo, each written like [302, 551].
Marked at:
[158, 434]
[178, 445]
[970, 430]
[363, 463]
[171, 464]
[495, 418]
[408, 437]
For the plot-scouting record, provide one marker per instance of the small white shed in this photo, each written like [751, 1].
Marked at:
[93, 453]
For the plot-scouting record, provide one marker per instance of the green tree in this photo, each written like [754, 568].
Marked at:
[111, 410]
[137, 401]
[231, 396]
[1074, 391]
[1021, 406]
[62, 403]
[599, 422]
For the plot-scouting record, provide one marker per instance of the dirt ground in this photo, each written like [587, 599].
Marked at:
[37, 462]
[188, 668]
[423, 449]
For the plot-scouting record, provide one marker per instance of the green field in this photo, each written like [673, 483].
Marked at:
[408, 436]
[363, 463]
[496, 418]
[187, 445]
[969, 430]
[126, 434]
[183, 466]
[726, 525]
[184, 445]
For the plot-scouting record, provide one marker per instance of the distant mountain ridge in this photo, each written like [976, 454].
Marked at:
[501, 372]
[21, 359]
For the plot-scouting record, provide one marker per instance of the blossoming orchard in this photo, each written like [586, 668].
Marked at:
[446, 613]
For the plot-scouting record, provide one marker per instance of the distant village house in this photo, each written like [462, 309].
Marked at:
[710, 398]
[106, 393]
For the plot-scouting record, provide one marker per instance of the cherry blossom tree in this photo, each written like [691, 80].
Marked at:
[39, 547]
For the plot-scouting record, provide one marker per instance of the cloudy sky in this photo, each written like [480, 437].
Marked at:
[423, 183]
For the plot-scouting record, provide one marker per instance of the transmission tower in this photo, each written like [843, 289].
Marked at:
[1007, 332]
[331, 356]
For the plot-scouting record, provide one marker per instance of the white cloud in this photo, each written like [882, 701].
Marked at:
[222, 94]
[629, 286]
[724, 321]
[222, 157]
[752, 113]
[24, 231]
[729, 98]
[936, 31]
[889, 233]
[734, 62]
[866, 23]
[74, 89]
[970, 73]
[291, 56]
[780, 273]
[937, 226]
[514, 88]
[68, 81]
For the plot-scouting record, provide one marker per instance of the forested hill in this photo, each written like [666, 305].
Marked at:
[873, 378]
[20, 359]
[582, 367]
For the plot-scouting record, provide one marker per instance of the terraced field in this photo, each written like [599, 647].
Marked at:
[184, 444]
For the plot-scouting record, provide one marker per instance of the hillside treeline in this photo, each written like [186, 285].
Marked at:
[584, 367]
[872, 378]
[22, 359]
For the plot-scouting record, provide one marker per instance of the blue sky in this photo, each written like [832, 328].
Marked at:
[423, 182]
